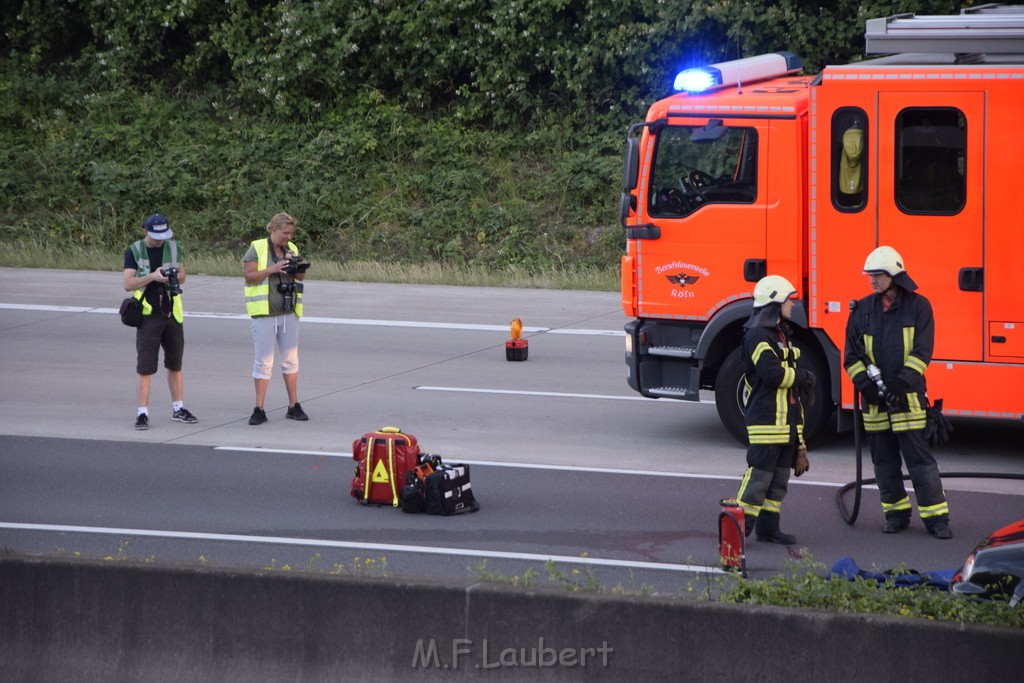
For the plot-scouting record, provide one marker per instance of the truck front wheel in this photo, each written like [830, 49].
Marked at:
[729, 396]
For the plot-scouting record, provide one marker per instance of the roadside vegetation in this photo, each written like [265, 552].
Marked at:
[472, 142]
[803, 584]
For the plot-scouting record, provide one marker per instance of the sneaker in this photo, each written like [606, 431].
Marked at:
[941, 530]
[258, 416]
[296, 413]
[142, 421]
[183, 415]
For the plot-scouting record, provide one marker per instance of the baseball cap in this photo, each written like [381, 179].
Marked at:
[157, 227]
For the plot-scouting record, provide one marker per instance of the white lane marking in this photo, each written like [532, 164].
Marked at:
[353, 545]
[58, 309]
[414, 323]
[339, 321]
[558, 394]
[537, 466]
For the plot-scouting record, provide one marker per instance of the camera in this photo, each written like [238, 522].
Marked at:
[289, 289]
[296, 265]
[171, 273]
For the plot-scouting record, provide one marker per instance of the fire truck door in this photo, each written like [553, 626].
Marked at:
[931, 182]
[709, 200]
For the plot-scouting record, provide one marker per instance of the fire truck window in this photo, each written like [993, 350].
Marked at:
[690, 171]
[849, 159]
[931, 161]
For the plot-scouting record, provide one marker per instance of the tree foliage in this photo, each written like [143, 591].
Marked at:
[486, 61]
[454, 130]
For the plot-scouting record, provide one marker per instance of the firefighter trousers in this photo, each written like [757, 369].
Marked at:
[766, 480]
[886, 448]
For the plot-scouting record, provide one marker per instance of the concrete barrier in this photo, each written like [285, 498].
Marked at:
[118, 620]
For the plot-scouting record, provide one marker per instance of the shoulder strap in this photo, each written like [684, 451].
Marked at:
[172, 247]
[139, 250]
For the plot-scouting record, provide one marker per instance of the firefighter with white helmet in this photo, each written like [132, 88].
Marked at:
[894, 330]
[773, 384]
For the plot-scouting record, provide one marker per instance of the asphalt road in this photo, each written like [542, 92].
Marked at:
[567, 463]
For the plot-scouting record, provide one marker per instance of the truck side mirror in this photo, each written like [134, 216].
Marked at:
[631, 168]
[627, 204]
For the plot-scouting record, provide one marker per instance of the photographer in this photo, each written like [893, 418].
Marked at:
[154, 274]
[273, 298]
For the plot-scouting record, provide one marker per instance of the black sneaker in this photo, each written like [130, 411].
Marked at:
[258, 416]
[297, 413]
[182, 415]
[142, 421]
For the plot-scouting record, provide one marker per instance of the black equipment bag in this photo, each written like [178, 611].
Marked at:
[447, 491]
[131, 312]
[411, 495]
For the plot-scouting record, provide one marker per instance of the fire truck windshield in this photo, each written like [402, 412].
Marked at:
[691, 170]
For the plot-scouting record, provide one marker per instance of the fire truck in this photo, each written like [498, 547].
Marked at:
[753, 169]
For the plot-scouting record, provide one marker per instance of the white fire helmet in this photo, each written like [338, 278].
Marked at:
[884, 260]
[773, 289]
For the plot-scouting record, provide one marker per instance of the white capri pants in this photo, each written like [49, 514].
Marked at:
[268, 332]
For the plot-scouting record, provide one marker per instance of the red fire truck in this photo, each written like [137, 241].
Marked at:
[752, 169]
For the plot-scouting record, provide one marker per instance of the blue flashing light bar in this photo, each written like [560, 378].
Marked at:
[737, 72]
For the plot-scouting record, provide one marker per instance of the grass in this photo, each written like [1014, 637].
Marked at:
[29, 254]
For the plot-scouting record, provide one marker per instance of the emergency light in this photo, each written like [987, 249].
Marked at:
[517, 348]
[737, 72]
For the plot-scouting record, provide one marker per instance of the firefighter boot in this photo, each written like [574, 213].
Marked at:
[767, 529]
[941, 530]
[895, 524]
[749, 521]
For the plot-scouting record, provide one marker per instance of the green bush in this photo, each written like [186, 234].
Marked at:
[463, 132]
[84, 168]
[804, 585]
[492, 63]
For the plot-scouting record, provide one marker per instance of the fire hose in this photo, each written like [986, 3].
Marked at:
[858, 484]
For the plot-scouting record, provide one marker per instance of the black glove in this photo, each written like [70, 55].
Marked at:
[804, 379]
[897, 395]
[870, 393]
[804, 386]
[937, 428]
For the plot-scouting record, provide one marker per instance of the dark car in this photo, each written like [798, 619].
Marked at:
[995, 568]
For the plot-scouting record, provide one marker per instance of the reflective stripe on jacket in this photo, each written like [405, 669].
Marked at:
[170, 257]
[769, 373]
[900, 342]
[257, 296]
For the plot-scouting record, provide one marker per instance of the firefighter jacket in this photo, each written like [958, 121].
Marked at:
[769, 375]
[170, 256]
[257, 296]
[899, 342]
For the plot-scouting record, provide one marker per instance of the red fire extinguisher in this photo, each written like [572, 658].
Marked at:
[732, 536]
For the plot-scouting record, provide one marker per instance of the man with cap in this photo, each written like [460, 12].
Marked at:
[893, 329]
[773, 384]
[153, 273]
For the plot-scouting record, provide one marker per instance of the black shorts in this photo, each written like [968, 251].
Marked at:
[156, 332]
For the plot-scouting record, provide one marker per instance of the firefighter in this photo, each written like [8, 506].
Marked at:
[774, 415]
[893, 329]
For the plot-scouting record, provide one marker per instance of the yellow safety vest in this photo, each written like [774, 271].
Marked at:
[257, 296]
[142, 259]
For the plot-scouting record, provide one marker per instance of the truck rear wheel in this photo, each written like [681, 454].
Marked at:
[729, 396]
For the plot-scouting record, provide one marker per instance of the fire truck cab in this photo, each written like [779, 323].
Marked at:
[752, 169]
